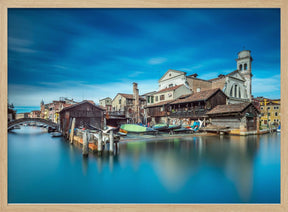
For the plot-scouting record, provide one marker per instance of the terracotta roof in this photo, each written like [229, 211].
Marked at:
[80, 103]
[130, 96]
[66, 105]
[170, 89]
[222, 76]
[104, 108]
[91, 101]
[229, 108]
[160, 103]
[198, 96]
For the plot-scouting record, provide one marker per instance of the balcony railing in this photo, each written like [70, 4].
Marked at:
[116, 113]
[188, 113]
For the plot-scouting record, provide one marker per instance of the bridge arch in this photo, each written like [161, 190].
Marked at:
[23, 120]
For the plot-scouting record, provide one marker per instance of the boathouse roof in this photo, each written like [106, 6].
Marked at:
[80, 103]
[233, 108]
[197, 96]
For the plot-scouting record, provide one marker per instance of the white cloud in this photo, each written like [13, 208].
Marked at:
[24, 95]
[157, 60]
[266, 86]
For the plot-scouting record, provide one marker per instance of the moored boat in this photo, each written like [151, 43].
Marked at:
[122, 132]
[160, 127]
[279, 128]
[56, 134]
[134, 128]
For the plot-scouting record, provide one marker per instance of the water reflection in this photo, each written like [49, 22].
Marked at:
[176, 161]
[208, 169]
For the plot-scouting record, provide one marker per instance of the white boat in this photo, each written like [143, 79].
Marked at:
[279, 128]
[17, 127]
[56, 134]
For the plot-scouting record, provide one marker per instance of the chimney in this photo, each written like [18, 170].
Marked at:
[136, 102]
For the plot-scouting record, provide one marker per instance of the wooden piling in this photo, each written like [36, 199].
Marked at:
[85, 149]
[100, 142]
[72, 131]
[111, 140]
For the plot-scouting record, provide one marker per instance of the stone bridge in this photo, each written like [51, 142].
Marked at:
[23, 120]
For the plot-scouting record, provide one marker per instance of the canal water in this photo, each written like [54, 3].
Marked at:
[209, 169]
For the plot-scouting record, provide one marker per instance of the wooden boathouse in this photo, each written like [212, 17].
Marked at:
[187, 108]
[239, 118]
[85, 113]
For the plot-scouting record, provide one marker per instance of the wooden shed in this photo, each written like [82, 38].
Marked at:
[243, 116]
[86, 114]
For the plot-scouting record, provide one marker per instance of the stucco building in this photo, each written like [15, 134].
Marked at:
[270, 111]
[106, 103]
[236, 84]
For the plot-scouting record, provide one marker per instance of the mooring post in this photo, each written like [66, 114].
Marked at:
[85, 144]
[72, 131]
[100, 142]
[111, 138]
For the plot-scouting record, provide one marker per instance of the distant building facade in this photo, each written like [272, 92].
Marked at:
[106, 103]
[22, 115]
[167, 94]
[51, 110]
[124, 104]
[270, 111]
[35, 114]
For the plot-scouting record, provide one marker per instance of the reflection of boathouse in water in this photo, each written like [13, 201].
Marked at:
[180, 160]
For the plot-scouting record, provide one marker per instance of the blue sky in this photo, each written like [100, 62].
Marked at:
[95, 53]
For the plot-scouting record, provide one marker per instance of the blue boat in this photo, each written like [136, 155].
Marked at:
[279, 129]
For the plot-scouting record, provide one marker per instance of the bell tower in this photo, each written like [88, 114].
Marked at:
[244, 62]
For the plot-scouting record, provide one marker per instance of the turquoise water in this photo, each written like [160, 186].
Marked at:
[214, 169]
[26, 109]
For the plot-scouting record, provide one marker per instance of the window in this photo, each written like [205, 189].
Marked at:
[231, 91]
[156, 98]
[119, 101]
[276, 114]
[240, 67]
[268, 108]
[162, 97]
[170, 85]
[148, 99]
[245, 66]
[152, 99]
[268, 114]
[261, 108]
[235, 90]
[276, 108]
[239, 93]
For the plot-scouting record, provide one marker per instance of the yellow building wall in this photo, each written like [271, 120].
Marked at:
[270, 112]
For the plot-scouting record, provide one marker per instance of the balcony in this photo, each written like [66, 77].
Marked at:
[188, 113]
[116, 113]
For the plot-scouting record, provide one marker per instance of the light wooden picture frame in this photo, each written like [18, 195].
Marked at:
[5, 4]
